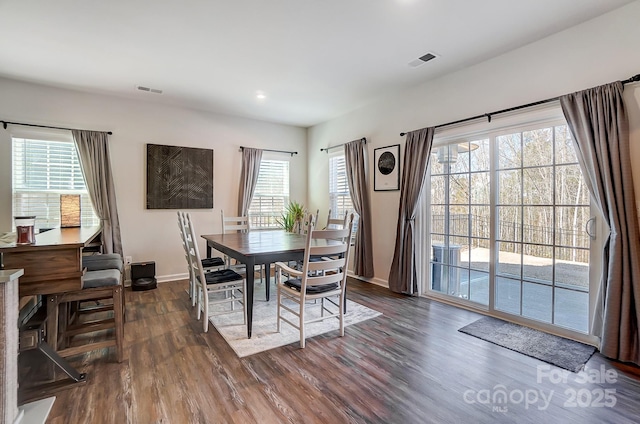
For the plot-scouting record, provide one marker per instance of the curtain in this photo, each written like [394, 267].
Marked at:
[354, 154]
[598, 122]
[403, 274]
[251, 159]
[93, 152]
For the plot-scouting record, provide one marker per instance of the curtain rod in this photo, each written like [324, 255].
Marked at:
[634, 78]
[277, 151]
[5, 123]
[326, 149]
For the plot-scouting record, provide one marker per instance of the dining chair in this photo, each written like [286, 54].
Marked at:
[325, 280]
[223, 286]
[336, 223]
[208, 264]
[237, 224]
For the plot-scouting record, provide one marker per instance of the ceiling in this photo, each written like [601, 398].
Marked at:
[313, 59]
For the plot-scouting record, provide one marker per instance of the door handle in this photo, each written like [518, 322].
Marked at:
[588, 227]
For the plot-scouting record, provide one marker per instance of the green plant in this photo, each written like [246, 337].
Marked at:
[293, 215]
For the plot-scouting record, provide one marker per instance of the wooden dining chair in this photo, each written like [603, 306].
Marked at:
[324, 279]
[208, 264]
[336, 223]
[223, 286]
[241, 224]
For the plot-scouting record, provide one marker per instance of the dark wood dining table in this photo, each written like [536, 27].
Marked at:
[257, 247]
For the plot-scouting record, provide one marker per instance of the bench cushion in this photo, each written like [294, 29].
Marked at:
[101, 278]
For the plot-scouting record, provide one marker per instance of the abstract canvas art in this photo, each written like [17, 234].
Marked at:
[179, 177]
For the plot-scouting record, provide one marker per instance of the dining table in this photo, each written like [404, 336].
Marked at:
[258, 247]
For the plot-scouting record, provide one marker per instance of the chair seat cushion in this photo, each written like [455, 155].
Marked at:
[296, 284]
[100, 262]
[222, 276]
[212, 262]
[101, 278]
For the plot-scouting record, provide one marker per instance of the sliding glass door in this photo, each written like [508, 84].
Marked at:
[509, 222]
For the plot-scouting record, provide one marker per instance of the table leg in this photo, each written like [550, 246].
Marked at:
[250, 265]
[267, 279]
[208, 251]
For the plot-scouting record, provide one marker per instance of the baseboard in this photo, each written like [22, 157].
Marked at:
[164, 278]
[176, 277]
[374, 280]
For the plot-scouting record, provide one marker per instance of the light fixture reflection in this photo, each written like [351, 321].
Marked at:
[449, 153]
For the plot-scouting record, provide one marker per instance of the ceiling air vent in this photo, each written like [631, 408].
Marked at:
[150, 90]
[422, 60]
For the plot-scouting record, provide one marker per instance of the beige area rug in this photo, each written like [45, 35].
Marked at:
[264, 336]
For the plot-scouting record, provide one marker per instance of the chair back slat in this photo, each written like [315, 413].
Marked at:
[320, 280]
[326, 264]
[234, 223]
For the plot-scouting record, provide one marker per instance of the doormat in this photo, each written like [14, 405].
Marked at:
[555, 350]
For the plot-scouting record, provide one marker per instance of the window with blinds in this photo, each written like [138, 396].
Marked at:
[271, 195]
[42, 171]
[339, 196]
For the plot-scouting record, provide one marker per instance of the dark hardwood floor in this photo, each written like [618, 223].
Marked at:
[409, 365]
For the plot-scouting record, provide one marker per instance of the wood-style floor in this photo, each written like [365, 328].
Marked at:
[410, 365]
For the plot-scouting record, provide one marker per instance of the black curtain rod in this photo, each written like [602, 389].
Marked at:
[634, 78]
[5, 123]
[326, 149]
[277, 151]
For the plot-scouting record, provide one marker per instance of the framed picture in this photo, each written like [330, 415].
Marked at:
[179, 177]
[386, 175]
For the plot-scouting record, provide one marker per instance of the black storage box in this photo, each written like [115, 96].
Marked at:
[143, 276]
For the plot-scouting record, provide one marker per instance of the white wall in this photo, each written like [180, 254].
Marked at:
[148, 234]
[597, 52]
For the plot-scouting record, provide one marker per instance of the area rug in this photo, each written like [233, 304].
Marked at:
[264, 336]
[555, 350]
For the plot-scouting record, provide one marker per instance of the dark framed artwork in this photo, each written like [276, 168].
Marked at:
[386, 175]
[179, 177]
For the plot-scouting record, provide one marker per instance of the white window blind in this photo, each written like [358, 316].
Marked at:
[42, 171]
[271, 195]
[339, 196]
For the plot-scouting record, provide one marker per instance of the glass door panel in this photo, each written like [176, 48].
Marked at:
[519, 200]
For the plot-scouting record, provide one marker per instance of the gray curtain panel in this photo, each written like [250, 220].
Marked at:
[251, 159]
[403, 275]
[93, 152]
[354, 153]
[598, 122]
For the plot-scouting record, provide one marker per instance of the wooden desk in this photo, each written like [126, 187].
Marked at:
[53, 264]
[257, 248]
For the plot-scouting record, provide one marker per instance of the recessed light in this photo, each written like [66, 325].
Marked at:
[260, 95]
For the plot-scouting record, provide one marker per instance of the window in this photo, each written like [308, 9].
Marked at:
[42, 171]
[271, 195]
[339, 196]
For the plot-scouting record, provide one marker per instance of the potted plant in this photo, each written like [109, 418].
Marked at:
[291, 219]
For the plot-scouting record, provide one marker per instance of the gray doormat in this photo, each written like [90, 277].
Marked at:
[558, 351]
